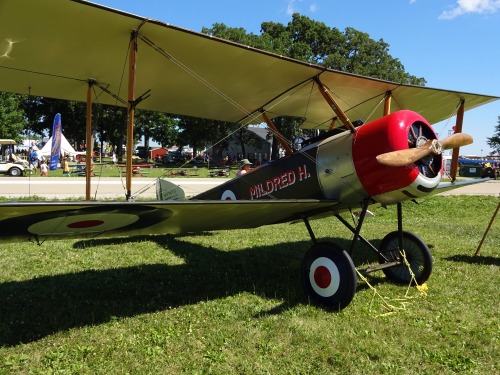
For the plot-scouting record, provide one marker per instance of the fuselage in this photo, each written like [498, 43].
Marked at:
[343, 167]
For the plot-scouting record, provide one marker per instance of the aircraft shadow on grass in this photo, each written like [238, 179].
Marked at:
[33, 309]
[479, 259]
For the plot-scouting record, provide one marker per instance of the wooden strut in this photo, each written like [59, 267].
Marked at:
[131, 112]
[387, 103]
[332, 124]
[281, 140]
[455, 152]
[487, 229]
[333, 104]
[89, 142]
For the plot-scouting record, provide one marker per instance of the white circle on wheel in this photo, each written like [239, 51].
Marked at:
[324, 277]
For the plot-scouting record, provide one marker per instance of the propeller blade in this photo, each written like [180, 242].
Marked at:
[456, 140]
[404, 157]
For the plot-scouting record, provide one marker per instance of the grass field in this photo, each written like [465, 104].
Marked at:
[159, 170]
[231, 302]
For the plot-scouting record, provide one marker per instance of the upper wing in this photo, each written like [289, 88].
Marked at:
[38, 221]
[54, 48]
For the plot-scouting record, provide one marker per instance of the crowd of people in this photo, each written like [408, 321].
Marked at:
[39, 162]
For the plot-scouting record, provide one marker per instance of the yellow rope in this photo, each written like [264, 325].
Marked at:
[399, 303]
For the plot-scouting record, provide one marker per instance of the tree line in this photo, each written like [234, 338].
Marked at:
[302, 38]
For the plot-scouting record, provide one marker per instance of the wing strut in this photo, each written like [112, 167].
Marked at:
[387, 103]
[281, 140]
[89, 143]
[332, 124]
[458, 129]
[131, 111]
[333, 104]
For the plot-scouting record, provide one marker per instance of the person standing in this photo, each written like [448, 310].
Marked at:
[44, 169]
[245, 167]
[66, 167]
[34, 160]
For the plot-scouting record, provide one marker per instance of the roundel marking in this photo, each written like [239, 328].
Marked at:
[228, 195]
[86, 223]
[114, 218]
[324, 277]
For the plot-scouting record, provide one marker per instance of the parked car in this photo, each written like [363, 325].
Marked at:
[489, 172]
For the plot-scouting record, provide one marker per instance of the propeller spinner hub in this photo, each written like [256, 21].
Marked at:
[436, 147]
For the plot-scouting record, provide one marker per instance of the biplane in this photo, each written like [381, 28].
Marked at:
[377, 147]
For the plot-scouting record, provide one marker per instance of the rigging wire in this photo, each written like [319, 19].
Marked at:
[447, 123]
[192, 73]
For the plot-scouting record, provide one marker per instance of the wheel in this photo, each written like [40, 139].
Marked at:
[417, 254]
[328, 276]
[15, 172]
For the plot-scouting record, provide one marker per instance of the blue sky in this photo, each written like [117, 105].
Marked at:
[453, 44]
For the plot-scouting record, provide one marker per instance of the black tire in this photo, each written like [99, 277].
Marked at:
[417, 254]
[328, 276]
[15, 172]
[488, 172]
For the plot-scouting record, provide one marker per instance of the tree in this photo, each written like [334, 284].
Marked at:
[244, 138]
[494, 142]
[12, 119]
[352, 51]
[158, 126]
[110, 123]
[41, 112]
[200, 133]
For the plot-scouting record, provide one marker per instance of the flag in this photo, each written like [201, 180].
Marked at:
[56, 142]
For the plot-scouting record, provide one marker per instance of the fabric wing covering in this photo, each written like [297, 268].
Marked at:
[54, 48]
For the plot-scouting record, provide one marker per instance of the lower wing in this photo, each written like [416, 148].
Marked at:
[39, 221]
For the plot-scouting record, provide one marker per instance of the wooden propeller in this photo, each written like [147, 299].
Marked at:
[404, 157]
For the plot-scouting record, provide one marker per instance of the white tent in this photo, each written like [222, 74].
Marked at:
[66, 148]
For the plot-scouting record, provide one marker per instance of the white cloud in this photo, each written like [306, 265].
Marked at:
[290, 9]
[471, 6]
[293, 7]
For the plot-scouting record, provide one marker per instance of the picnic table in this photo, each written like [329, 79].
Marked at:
[79, 170]
[137, 169]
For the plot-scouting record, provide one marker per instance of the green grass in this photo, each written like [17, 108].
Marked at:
[160, 170]
[231, 302]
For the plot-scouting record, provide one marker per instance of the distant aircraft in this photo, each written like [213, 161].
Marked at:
[76, 50]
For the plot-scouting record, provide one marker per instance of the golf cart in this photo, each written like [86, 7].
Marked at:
[11, 164]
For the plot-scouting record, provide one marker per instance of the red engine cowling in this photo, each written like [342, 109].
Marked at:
[398, 131]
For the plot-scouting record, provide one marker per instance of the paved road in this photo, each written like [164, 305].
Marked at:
[102, 188]
[489, 187]
[109, 187]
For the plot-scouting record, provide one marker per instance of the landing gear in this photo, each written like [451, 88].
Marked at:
[328, 276]
[415, 251]
[328, 273]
